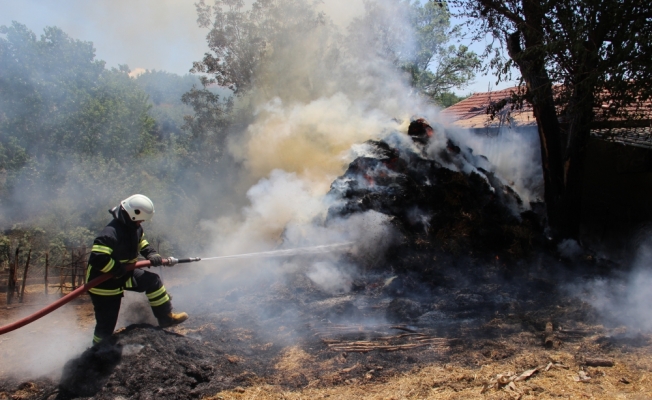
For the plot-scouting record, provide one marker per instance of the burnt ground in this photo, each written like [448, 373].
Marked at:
[292, 337]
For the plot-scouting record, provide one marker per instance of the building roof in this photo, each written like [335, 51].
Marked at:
[472, 112]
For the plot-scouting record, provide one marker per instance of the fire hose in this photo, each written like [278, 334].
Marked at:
[82, 289]
[170, 261]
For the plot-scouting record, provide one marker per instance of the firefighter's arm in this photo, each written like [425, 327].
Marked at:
[101, 258]
[147, 251]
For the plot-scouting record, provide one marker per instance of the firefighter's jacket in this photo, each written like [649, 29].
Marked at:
[120, 241]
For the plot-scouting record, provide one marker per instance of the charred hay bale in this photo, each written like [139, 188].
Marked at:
[87, 374]
[420, 131]
[456, 212]
[147, 362]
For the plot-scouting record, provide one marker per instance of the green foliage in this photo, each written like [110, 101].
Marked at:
[206, 126]
[75, 138]
[113, 123]
[433, 65]
[600, 48]
[438, 67]
[244, 41]
[42, 82]
[164, 87]
[447, 99]
[165, 91]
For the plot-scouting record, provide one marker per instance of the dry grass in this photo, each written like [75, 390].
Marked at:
[630, 378]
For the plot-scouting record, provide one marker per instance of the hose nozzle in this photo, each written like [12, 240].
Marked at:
[174, 261]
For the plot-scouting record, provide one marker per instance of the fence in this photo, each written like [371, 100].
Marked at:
[66, 273]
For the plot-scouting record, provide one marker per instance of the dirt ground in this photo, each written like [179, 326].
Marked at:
[485, 338]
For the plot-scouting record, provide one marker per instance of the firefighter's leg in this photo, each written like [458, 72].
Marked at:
[106, 315]
[159, 300]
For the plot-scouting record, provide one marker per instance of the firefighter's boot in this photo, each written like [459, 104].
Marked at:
[172, 319]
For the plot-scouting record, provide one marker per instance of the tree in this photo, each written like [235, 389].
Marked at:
[41, 81]
[437, 67]
[573, 56]
[248, 45]
[205, 127]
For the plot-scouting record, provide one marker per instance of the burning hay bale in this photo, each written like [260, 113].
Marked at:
[438, 194]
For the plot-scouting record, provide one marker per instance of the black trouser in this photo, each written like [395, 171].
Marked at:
[108, 307]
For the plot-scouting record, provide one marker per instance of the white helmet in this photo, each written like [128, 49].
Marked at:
[139, 207]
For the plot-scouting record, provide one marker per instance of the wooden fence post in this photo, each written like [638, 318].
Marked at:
[73, 268]
[47, 264]
[11, 280]
[9, 275]
[62, 277]
[21, 296]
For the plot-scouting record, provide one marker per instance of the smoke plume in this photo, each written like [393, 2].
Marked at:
[624, 299]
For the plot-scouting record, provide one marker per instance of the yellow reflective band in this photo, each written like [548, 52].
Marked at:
[142, 244]
[157, 293]
[108, 266]
[106, 292]
[88, 273]
[163, 300]
[96, 339]
[98, 248]
[129, 283]
[133, 260]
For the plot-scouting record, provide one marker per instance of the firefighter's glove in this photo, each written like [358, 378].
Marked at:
[118, 270]
[155, 260]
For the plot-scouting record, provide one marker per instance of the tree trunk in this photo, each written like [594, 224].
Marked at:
[47, 265]
[539, 91]
[21, 296]
[580, 116]
[562, 156]
[578, 133]
[11, 280]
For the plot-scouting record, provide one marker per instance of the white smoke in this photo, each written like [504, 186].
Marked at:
[44, 346]
[310, 139]
[329, 277]
[569, 248]
[624, 300]
[513, 154]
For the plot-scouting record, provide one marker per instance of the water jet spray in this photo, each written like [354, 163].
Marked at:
[170, 261]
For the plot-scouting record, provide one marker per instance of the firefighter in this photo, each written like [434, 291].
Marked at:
[120, 243]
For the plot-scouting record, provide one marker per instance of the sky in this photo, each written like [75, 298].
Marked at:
[150, 34]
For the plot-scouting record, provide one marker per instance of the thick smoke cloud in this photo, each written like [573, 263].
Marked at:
[312, 140]
[514, 154]
[284, 213]
[302, 134]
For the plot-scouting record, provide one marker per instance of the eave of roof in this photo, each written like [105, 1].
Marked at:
[472, 112]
